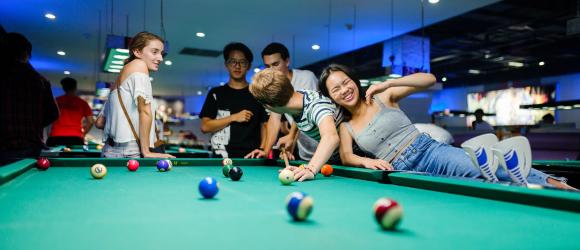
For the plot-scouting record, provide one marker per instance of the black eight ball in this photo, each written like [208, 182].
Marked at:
[236, 173]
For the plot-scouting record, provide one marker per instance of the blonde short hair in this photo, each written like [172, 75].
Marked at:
[271, 87]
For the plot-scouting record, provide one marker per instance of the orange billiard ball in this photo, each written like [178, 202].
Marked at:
[326, 170]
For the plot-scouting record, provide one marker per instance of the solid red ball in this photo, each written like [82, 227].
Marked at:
[132, 165]
[42, 163]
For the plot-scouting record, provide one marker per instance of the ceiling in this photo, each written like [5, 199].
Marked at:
[81, 27]
[487, 39]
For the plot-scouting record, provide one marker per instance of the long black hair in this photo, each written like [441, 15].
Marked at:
[349, 73]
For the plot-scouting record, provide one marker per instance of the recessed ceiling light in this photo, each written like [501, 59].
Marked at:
[542, 63]
[444, 79]
[487, 56]
[66, 72]
[168, 63]
[256, 70]
[199, 92]
[315, 47]
[474, 71]
[515, 64]
[50, 16]
[200, 34]
[433, 1]
[222, 83]
[61, 53]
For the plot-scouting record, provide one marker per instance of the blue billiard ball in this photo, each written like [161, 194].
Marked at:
[163, 165]
[299, 205]
[208, 187]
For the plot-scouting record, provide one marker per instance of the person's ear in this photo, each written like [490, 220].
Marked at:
[138, 53]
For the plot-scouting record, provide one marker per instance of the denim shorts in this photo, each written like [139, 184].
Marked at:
[122, 150]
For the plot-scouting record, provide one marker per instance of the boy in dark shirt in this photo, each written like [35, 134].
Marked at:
[230, 112]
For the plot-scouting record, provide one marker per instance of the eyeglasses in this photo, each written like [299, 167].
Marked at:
[242, 63]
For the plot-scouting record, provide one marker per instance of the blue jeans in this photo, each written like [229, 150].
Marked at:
[122, 150]
[438, 159]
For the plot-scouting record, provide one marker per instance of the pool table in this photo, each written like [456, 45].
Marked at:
[65, 208]
[77, 151]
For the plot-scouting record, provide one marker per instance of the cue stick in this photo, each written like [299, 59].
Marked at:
[285, 157]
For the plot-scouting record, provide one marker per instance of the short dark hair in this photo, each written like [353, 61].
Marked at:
[68, 84]
[15, 45]
[233, 46]
[274, 48]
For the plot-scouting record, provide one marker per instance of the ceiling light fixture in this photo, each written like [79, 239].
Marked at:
[61, 53]
[474, 71]
[315, 47]
[168, 63]
[542, 63]
[66, 72]
[200, 34]
[515, 64]
[433, 1]
[256, 70]
[50, 16]
[444, 79]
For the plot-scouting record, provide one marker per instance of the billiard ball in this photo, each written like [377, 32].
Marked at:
[388, 213]
[299, 205]
[236, 173]
[302, 166]
[170, 164]
[162, 165]
[227, 161]
[286, 177]
[98, 171]
[208, 187]
[226, 170]
[326, 170]
[66, 149]
[42, 163]
[99, 147]
[132, 165]
[85, 148]
[181, 150]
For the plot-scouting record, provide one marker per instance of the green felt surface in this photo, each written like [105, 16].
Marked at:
[64, 208]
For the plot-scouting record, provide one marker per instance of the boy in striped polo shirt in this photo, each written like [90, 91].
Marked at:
[315, 115]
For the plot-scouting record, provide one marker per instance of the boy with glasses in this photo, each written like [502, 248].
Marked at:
[230, 112]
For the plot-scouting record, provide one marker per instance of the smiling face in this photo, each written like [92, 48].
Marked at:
[151, 54]
[342, 89]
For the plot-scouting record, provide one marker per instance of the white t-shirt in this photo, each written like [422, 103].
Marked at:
[304, 80]
[117, 127]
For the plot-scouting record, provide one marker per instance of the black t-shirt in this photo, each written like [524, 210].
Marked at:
[238, 139]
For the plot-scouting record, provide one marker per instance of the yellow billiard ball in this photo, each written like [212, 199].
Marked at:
[99, 147]
[98, 171]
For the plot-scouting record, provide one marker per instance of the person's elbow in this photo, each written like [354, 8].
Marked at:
[430, 79]
[204, 127]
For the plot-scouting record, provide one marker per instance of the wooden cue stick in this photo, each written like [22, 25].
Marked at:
[285, 156]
